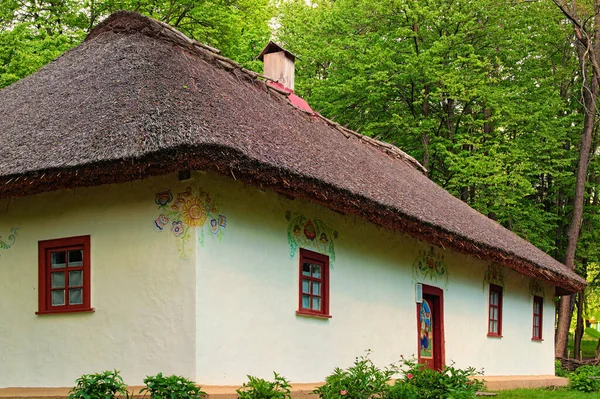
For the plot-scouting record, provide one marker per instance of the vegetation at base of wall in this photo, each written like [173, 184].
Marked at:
[585, 379]
[420, 382]
[258, 388]
[173, 386]
[364, 380]
[559, 370]
[104, 385]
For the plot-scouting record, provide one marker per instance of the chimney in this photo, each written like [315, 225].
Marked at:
[278, 64]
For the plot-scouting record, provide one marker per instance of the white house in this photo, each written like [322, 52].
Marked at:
[164, 210]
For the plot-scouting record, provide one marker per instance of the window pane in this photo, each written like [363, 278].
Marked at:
[57, 280]
[316, 303]
[495, 316]
[316, 289]
[76, 258]
[75, 296]
[58, 259]
[76, 278]
[306, 286]
[491, 313]
[306, 301]
[58, 297]
[494, 327]
[306, 269]
[316, 271]
[494, 298]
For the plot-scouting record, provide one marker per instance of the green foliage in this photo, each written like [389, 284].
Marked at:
[34, 33]
[585, 379]
[559, 370]
[363, 380]
[173, 386]
[258, 388]
[451, 382]
[104, 385]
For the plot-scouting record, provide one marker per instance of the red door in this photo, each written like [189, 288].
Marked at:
[430, 327]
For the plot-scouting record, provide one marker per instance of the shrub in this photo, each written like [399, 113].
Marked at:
[583, 379]
[559, 370]
[161, 387]
[451, 382]
[104, 385]
[363, 380]
[257, 388]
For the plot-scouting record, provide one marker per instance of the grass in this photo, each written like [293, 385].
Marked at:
[588, 348]
[545, 394]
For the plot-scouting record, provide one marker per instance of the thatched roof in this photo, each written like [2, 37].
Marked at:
[138, 98]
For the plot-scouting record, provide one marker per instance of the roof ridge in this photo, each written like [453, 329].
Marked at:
[177, 37]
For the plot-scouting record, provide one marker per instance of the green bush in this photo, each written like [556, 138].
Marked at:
[559, 370]
[257, 388]
[173, 386]
[104, 385]
[583, 379]
[363, 380]
[451, 382]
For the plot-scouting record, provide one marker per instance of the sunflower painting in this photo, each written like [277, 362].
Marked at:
[182, 213]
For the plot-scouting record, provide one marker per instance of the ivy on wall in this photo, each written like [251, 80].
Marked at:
[310, 234]
[430, 265]
[186, 212]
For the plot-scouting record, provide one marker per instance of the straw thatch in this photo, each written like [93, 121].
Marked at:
[138, 98]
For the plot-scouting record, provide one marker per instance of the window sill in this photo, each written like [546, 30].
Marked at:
[537, 339]
[494, 336]
[64, 311]
[315, 315]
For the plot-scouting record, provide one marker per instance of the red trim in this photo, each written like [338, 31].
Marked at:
[45, 249]
[323, 261]
[439, 340]
[537, 316]
[495, 289]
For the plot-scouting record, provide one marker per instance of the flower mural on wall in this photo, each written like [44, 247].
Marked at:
[186, 211]
[493, 275]
[10, 240]
[430, 265]
[536, 288]
[311, 234]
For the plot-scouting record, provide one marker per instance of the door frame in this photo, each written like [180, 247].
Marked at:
[439, 342]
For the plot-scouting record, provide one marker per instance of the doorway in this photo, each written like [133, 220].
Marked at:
[430, 328]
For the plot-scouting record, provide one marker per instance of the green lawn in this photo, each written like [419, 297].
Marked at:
[545, 394]
[588, 347]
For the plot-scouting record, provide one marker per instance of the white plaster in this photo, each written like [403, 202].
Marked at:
[230, 310]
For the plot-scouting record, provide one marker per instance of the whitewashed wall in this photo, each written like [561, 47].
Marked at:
[248, 294]
[143, 294]
[230, 309]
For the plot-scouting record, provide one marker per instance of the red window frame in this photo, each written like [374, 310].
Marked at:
[314, 258]
[538, 311]
[45, 269]
[495, 311]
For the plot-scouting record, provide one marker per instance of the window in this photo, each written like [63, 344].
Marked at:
[495, 311]
[538, 309]
[314, 284]
[64, 275]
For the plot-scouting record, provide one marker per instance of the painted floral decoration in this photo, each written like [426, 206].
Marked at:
[430, 264]
[311, 234]
[186, 211]
[12, 237]
[536, 288]
[493, 275]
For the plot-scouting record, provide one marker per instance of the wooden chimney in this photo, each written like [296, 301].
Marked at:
[278, 64]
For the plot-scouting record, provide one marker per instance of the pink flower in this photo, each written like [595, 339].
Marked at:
[409, 376]
[343, 392]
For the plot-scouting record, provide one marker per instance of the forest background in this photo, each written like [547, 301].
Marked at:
[497, 98]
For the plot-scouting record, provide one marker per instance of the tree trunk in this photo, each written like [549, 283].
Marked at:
[579, 329]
